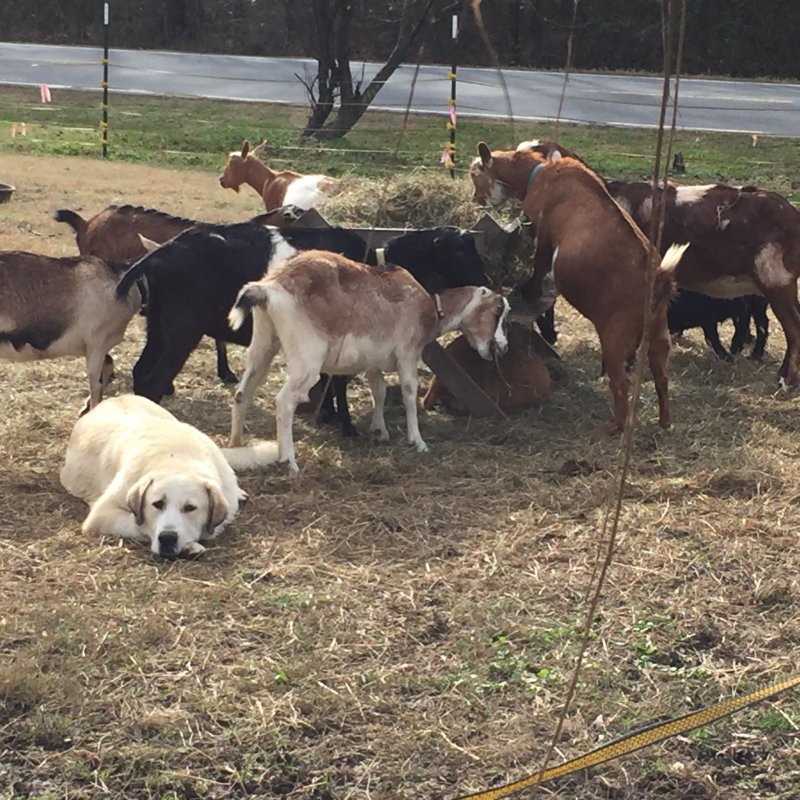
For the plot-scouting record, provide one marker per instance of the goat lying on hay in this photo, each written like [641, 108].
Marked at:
[330, 314]
[275, 188]
[600, 259]
[518, 379]
[54, 307]
[114, 235]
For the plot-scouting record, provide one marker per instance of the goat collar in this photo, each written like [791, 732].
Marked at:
[380, 256]
[437, 299]
[534, 172]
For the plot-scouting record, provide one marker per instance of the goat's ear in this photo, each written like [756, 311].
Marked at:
[148, 244]
[259, 149]
[485, 153]
[245, 148]
[555, 156]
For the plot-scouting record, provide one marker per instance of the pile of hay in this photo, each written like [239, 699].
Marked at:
[422, 200]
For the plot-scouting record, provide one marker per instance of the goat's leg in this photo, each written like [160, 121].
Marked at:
[159, 380]
[223, 368]
[711, 334]
[339, 386]
[98, 374]
[377, 386]
[547, 325]
[294, 391]
[615, 349]
[658, 355]
[409, 381]
[758, 310]
[263, 348]
[327, 409]
[741, 332]
[787, 309]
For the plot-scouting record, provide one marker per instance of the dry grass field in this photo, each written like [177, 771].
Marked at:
[390, 625]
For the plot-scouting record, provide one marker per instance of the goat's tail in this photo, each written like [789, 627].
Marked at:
[252, 295]
[252, 456]
[665, 287]
[73, 219]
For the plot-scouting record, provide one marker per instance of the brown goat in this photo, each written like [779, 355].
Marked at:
[518, 379]
[275, 188]
[600, 259]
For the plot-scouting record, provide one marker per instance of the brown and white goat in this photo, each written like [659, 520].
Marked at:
[54, 307]
[333, 315]
[518, 379]
[600, 258]
[276, 188]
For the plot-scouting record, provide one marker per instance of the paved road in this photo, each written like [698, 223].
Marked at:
[748, 107]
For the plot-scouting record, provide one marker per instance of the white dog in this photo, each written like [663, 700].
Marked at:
[149, 477]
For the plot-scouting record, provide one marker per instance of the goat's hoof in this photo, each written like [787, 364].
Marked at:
[380, 435]
[421, 446]
[170, 390]
[614, 429]
[349, 431]
[229, 377]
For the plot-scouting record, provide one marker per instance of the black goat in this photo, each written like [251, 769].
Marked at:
[694, 310]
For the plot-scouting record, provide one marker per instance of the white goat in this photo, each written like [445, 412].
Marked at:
[333, 315]
[54, 307]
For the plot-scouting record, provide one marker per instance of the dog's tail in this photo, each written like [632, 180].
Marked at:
[252, 456]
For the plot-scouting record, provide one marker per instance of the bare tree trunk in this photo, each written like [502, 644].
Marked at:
[334, 75]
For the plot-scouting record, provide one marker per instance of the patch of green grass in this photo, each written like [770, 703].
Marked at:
[189, 133]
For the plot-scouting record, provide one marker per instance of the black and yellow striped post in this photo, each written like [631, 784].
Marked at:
[449, 155]
[104, 84]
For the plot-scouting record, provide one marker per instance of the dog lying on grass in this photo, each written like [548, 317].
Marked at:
[146, 476]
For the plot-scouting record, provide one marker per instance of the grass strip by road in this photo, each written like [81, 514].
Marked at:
[192, 133]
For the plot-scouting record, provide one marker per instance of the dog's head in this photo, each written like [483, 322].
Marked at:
[177, 511]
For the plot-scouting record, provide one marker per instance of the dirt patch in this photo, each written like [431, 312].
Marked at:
[391, 625]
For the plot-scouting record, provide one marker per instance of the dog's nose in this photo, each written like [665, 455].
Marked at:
[167, 540]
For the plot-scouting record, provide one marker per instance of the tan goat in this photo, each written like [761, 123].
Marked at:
[54, 307]
[333, 315]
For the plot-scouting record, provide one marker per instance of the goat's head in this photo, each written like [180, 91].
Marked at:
[235, 172]
[439, 258]
[484, 322]
[505, 175]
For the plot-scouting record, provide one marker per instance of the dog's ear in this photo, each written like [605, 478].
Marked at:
[137, 497]
[217, 509]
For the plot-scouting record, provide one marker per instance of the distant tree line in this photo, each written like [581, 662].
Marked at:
[724, 37]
